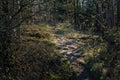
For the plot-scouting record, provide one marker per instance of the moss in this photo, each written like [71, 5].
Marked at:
[54, 76]
[37, 31]
[59, 31]
[48, 42]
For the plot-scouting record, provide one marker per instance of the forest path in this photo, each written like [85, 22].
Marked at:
[72, 49]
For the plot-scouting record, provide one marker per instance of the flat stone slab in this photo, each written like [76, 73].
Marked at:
[71, 46]
[76, 54]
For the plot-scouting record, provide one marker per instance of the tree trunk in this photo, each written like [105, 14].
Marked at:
[118, 13]
[5, 38]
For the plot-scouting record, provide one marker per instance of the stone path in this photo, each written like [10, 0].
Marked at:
[71, 49]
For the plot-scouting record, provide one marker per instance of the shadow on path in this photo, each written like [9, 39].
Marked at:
[86, 73]
[80, 67]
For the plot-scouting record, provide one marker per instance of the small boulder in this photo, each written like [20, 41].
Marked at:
[68, 43]
[76, 54]
[65, 48]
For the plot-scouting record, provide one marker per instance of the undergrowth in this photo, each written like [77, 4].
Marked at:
[103, 58]
[35, 58]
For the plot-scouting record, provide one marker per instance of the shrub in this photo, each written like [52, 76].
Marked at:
[105, 64]
[38, 62]
[35, 58]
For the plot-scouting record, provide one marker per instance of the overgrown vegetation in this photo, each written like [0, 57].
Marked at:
[102, 56]
[27, 48]
[37, 58]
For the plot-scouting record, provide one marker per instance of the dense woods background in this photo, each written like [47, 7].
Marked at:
[30, 59]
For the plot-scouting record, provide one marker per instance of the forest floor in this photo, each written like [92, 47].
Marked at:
[72, 49]
[78, 49]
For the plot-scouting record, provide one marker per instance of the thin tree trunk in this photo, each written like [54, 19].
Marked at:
[5, 38]
[118, 13]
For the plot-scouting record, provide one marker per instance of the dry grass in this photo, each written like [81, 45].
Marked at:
[36, 59]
